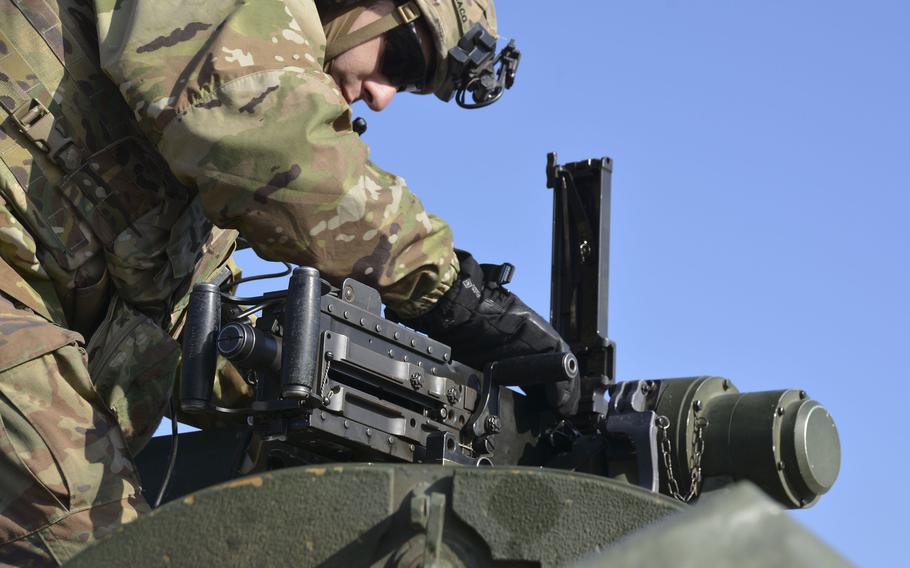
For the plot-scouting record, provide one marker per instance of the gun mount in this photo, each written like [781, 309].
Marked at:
[335, 382]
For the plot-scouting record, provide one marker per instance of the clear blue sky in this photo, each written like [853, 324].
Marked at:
[760, 196]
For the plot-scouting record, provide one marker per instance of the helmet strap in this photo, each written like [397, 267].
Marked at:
[402, 15]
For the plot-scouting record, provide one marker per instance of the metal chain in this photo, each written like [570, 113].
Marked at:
[698, 450]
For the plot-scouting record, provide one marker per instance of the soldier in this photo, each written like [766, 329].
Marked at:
[137, 140]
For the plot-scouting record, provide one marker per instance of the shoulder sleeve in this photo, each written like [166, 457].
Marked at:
[235, 99]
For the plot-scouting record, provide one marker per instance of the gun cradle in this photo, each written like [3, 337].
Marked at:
[380, 391]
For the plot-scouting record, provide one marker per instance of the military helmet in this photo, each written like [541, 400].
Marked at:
[464, 40]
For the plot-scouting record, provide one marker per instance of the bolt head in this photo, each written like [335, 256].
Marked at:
[492, 424]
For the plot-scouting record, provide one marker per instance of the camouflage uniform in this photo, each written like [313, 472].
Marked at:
[147, 122]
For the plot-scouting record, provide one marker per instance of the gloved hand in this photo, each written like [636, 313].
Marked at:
[484, 322]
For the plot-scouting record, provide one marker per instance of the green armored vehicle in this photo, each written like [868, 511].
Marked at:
[368, 445]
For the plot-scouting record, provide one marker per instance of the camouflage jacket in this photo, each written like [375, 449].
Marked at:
[234, 97]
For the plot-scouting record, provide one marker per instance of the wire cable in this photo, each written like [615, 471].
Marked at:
[173, 459]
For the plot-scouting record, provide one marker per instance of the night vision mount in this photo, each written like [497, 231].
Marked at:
[475, 67]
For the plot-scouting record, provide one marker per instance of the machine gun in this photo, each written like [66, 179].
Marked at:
[334, 381]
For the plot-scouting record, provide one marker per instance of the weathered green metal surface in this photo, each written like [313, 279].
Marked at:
[387, 515]
[738, 527]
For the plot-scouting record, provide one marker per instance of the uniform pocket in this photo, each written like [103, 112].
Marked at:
[133, 363]
[117, 186]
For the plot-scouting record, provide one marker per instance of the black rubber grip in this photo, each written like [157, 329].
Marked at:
[300, 344]
[199, 348]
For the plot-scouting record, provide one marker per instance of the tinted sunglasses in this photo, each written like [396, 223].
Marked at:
[403, 63]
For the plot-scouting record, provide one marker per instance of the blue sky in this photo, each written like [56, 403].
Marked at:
[759, 202]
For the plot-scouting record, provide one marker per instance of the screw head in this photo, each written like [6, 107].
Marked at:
[453, 395]
[443, 413]
[331, 307]
[492, 424]
[348, 293]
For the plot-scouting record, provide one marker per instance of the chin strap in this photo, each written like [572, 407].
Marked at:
[402, 15]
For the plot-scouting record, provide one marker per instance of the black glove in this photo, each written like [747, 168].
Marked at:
[484, 322]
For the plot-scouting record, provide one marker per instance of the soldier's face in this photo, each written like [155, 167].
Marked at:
[358, 72]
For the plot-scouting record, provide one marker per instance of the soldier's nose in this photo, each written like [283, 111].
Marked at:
[377, 95]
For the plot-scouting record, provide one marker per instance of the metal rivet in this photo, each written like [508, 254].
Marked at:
[347, 314]
[369, 432]
[420, 363]
[378, 327]
[391, 353]
[322, 415]
[329, 355]
[363, 321]
[429, 348]
[390, 440]
[780, 411]
[331, 307]
[413, 342]
[803, 395]
[411, 447]
[434, 371]
[347, 424]
[697, 405]
[445, 356]
[396, 335]
[725, 384]
[780, 466]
